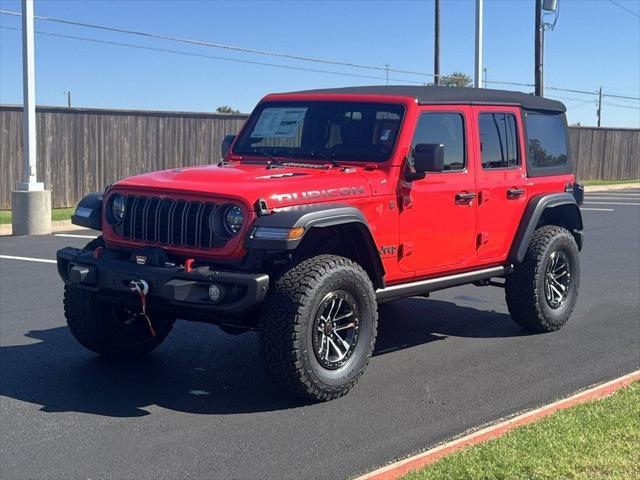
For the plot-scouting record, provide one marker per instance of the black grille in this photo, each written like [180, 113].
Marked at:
[169, 222]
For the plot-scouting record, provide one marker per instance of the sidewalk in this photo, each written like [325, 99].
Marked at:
[606, 188]
[57, 226]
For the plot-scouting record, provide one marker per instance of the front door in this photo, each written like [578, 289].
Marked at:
[438, 219]
[502, 191]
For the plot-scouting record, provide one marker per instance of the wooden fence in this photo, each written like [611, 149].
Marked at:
[83, 150]
[605, 153]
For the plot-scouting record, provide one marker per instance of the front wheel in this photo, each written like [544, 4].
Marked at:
[111, 330]
[318, 327]
[542, 291]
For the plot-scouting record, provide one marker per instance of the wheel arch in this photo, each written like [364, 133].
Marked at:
[328, 228]
[552, 209]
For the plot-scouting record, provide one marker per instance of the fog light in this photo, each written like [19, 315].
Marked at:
[216, 292]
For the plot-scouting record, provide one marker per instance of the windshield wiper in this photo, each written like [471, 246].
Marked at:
[273, 161]
[329, 158]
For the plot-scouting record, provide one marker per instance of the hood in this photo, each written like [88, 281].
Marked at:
[279, 186]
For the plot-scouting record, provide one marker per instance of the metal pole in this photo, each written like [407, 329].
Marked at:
[485, 70]
[599, 105]
[478, 69]
[539, 51]
[68, 92]
[30, 202]
[29, 178]
[386, 67]
[436, 45]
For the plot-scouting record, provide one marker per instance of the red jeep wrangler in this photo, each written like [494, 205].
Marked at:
[326, 204]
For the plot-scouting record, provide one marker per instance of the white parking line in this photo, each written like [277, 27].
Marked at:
[611, 203]
[598, 209]
[28, 259]
[611, 198]
[73, 235]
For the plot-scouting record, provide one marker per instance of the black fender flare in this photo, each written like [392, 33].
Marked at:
[88, 213]
[534, 212]
[316, 216]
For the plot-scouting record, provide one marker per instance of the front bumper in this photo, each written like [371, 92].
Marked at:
[110, 273]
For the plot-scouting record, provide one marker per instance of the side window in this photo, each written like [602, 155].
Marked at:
[547, 142]
[498, 140]
[446, 129]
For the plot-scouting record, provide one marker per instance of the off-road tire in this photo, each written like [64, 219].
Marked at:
[524, 288]
[286, 326]
[95, 326]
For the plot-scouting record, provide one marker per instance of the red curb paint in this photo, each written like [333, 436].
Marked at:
[402, 467]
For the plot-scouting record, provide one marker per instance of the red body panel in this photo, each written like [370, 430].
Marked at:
[429, 232]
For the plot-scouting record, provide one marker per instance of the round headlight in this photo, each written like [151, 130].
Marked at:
[118, 207]
[233, 219]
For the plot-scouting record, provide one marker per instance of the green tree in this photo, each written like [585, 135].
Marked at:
[456, 79]
[226, 109]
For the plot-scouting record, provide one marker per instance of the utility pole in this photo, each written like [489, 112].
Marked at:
[30, 202]
[436, 44]
[485, 70]
[68, 94]
[599, 105]
[386, 67]
[478, 69]
[539, 51]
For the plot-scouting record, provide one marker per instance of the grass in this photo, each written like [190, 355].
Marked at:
[595, 440]
[56, 214]
[610, 182]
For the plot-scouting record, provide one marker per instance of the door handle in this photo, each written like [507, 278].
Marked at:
[464, 198]
[514, 193]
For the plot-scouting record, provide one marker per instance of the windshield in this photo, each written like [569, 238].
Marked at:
[354, 131]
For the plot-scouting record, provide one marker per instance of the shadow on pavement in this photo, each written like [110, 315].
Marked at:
[201, 370]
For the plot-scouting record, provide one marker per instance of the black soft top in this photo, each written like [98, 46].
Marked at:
[433, 95]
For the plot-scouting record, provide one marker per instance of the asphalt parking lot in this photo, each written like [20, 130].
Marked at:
[201, 405]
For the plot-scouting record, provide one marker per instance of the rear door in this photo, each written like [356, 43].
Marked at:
[502, 186]
[438, 222]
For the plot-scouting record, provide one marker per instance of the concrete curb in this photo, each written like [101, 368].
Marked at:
[58, 226]
[606, 188]
[402, 467]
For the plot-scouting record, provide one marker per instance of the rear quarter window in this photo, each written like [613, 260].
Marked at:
[547, 144]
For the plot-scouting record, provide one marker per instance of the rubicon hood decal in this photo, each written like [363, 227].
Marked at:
[316, 194]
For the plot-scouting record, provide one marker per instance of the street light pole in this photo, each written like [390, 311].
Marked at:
[539, 51]
[28, 94]
[436, 44]
[478, 65]
[30, 202]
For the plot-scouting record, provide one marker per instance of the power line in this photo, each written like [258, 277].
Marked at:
[624, 8]
[227, 59]
[622, 106]
[276, 54]
[592, 93]
[204, 43]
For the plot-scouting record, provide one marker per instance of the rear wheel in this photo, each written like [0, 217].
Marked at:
[542, 291]
[318, 327]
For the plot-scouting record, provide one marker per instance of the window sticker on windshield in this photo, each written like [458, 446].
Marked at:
[279, 122]
[385, 135]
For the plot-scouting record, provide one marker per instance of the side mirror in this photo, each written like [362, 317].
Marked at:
[427, 157]
[226, 143]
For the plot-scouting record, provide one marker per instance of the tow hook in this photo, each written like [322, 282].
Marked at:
[141, 287]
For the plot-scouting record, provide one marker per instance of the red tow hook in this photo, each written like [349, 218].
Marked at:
[188, 265]
[142, 288]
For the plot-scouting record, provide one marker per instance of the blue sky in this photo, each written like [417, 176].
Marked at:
[595, 43]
